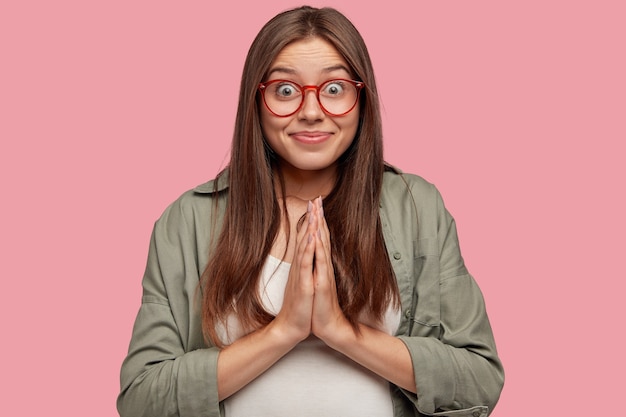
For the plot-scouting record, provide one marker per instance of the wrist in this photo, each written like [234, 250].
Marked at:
[339, 336]
[285, 336]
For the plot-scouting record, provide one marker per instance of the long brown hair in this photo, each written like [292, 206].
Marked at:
[363, 272]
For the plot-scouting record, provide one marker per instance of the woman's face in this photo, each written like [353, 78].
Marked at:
[310, 139]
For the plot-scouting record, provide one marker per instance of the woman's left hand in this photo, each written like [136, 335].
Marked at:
[328, 320]
[375, 350]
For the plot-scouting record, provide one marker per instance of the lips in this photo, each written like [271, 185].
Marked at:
[310, 138]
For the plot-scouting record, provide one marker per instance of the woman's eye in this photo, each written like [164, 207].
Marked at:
[334, 88]
[286, 90]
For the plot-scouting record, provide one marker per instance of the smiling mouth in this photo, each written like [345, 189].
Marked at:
[311, 138]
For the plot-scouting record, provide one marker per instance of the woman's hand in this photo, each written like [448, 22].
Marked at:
[328, 320]
[375, 350]
[294, 318]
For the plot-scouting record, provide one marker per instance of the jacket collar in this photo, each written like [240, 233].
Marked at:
[218, 184]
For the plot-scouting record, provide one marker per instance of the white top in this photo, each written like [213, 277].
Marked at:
[312, 380]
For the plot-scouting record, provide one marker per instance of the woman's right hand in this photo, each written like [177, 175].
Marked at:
[251, 355]
[294, 318]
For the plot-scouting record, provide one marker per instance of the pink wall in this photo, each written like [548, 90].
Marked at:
[515, 110]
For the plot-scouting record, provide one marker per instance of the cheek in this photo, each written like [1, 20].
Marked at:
[267, 123]
[352, 123]
[263, 120]
[272, 127]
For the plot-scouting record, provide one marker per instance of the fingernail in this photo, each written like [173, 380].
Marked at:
[321, 206]
[319, 233]
[309, 239]
[310, 217]
[309, 207]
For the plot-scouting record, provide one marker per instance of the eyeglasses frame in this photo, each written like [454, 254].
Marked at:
[303, 89]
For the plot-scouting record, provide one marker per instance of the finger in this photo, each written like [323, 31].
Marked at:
[323, 226]
[305, 228]
[323, 260]
[303, 262]
[321, 218]
[305, 256]
[303, 224]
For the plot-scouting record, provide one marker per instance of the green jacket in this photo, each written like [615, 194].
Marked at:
[170, 371]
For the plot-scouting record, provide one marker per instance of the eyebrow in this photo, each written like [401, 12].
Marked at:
[292, 71]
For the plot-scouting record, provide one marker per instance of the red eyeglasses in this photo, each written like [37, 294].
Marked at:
[336, 97]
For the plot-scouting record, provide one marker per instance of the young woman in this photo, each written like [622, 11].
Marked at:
[309, 278]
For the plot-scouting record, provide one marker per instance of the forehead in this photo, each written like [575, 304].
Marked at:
[309, 55]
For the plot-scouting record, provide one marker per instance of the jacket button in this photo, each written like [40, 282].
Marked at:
[397, 255]
[407, 314]
[476, 414]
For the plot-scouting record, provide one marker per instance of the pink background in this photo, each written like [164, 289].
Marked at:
[516, 110]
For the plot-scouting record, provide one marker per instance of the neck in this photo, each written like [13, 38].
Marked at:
[307, 185]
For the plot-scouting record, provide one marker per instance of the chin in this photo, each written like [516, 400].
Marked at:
[313, 165]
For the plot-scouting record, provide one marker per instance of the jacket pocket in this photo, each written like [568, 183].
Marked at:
[478, 411]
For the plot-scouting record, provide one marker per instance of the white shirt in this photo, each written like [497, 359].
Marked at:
[312, 379]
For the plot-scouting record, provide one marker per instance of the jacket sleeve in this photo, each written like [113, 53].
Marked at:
[169, 371]
[456, 367]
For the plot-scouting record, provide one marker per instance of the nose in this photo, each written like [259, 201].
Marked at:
[311, 109]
